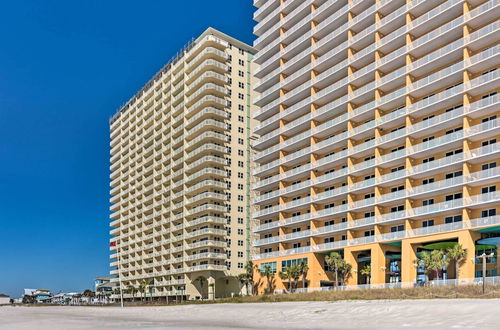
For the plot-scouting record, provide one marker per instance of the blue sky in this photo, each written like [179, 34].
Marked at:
[65, 67]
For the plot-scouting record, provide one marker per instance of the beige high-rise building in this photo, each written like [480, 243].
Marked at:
[379, 137]
[180, 171]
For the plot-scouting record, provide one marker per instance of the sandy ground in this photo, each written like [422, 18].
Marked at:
[408, 314]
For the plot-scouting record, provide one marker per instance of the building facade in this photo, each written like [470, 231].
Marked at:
[379, 135]
[180, 163]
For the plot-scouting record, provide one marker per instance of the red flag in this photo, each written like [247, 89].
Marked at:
[112, 244]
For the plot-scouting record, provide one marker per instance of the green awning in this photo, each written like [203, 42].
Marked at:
[485, 247]
[439, 246]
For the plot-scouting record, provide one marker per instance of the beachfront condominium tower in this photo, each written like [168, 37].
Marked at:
[379, 136]
[180, 164]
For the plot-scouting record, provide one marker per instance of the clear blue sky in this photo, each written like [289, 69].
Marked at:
[65, 67]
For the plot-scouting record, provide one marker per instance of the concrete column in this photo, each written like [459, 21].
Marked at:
[350, 258]
[467, 239]
[378, 262]
[211, 288]
[408, 257]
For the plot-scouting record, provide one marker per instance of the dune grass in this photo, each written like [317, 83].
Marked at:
[443, 292]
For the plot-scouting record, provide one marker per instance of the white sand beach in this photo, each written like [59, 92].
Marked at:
[382, 314]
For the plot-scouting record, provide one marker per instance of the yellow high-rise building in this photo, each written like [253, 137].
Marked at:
[379, 136]
[180, 171]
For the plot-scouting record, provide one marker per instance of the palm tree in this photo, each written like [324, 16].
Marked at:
[458, 255]
[345, 271]
[286, 274]
[295, 272]
[303, 269]
[432, 262]
[367, 270]
[142, 288]
[268, 273]
[132, 290]
[202, 280]
[249, 271]
[333, 261]
[242, 278]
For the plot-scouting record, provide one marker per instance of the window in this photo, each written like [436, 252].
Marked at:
[428, 223]
[329, 239]
[453, 196]
[490, 189]
[230, 58]
[427, 181]
[267, 250]
[240, 254]
[488, 213]
[240, 163]
[426, 160]
[453, 218]
[229, 92]
[240, 265]
[229, 81]
[241, 119]
[397, 228]
[241, 85]
[453, 175]
[240, 231]
[370, 233]
[241, 73]
[488, 166]
[240, 186]
[487, 119]
[241, 62]
[240, 141]
[453, 152]
[454, 130]
[241, 107]
[240, 221]
[240, 175]
[240, 209]
[398, 148]
[241, 96]
[397, 208]
[328, 206]
[427, 139]
[240, 242]
[399, 168]
[241, 51]
[428, 202]
[240, 198]
[398, 188]
[271, 265]
[288, 263]
[488, 142]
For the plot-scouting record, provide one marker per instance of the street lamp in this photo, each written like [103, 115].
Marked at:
[484, 256]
